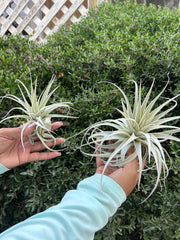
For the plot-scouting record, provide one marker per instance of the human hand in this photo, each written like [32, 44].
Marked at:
[13, 154]
[127, 176]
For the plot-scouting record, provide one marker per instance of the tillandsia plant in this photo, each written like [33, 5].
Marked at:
[142, 126]
[36, 111]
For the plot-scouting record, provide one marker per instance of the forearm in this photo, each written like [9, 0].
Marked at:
[80, 214]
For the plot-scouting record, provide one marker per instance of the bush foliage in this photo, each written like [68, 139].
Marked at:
[117, 42]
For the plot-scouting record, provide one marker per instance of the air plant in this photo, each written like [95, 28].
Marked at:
[142, 126]
[35, 110]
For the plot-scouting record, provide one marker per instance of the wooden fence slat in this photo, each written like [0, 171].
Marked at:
[26, 10]
[6, 10]
[12, 29]
[82, 10]
[31, 14]
[4, 4]
[29, 30]
[18, 20]
[2, 21]
[70, 12]
[13, 16]
[45, 10]
[36, 20]
[47, 31]
[67, 16]
[9, 11]
[64, 9]
[52, 12]
[16, 1]
[40, 18]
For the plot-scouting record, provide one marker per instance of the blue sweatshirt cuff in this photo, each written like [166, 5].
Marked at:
[108, 186]
[3, 169]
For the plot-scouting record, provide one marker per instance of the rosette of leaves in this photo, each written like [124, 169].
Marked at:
[142, 126]
[36, 111]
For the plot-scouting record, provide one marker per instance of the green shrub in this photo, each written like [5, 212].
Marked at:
[118, 42]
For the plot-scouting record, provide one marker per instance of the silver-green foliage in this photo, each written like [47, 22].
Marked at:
[142, 126]
[35, 110]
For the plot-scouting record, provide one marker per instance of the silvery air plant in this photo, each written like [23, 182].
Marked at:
[142, 126]
[35, 110]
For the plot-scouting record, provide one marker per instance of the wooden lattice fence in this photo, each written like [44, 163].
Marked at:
[40, 18]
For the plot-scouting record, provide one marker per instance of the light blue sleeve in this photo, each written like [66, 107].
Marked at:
[3, 169]
[80, 214]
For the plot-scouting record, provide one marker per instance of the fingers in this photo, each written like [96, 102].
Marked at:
[31, 127]
[36, 156]
[28, 130]
[38, 146]
[56, 125]
[134, 164]
[111, 142]
[99, 161]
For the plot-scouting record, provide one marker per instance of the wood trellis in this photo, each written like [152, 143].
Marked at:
[40, 18]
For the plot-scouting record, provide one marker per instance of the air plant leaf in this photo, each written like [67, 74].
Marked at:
[142, 126]
[35, 109]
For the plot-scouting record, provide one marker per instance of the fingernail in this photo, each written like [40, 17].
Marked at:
[62, 140]
[58, 154]
[31, 125]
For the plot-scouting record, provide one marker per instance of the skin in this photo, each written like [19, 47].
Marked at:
[12, 153]
[127, 177]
